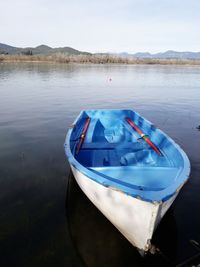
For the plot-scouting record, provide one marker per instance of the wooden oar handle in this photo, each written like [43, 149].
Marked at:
[83, 133]
[149, 142]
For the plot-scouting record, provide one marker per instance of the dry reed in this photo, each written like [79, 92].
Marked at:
[96, 59]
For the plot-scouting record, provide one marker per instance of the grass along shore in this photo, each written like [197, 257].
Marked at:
[95, 59]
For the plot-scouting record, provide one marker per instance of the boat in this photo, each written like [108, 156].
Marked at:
[128, 168]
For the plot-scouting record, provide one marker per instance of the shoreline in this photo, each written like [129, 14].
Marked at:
[96, 59]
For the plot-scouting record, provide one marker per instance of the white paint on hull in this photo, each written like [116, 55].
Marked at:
[134, 218]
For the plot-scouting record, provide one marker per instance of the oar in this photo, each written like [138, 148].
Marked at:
[135, 127]
[83, 133]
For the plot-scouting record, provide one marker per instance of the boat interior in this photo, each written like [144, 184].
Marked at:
[113, 149]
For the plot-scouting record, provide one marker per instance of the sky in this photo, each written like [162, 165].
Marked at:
[103, 25]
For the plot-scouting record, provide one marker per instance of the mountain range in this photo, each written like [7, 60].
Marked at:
[41, 49]
[168, 54]
[46, 50]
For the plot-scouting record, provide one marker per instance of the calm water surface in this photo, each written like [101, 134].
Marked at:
[45, 220]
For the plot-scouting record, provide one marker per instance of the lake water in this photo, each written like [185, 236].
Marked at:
[45, 219]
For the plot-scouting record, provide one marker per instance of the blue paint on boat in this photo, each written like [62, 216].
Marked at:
[114, 155]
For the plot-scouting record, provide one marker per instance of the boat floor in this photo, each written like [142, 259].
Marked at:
[99, 154]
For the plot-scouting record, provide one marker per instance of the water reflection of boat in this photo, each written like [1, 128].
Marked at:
[128, 168]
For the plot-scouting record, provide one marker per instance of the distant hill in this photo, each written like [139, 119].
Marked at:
[168, 54]
[175, 54]
[7, 49]
[38, 50]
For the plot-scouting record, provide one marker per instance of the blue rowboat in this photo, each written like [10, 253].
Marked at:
[128, 168]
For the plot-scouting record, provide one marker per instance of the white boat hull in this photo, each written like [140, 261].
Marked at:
[134, 218]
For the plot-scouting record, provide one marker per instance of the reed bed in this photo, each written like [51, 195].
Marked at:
[95, 59]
